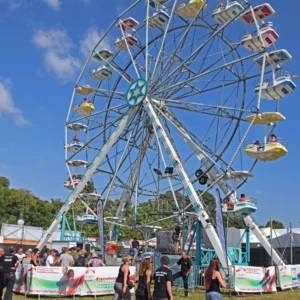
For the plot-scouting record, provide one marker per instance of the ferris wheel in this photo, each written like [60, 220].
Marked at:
[169, 104]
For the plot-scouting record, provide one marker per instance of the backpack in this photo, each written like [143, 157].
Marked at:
[81, 261]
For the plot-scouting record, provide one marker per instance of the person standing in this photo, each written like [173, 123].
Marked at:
[10, 263]
[51, 260]
[27, 259]
[163, 281]
[213, 279]
[66, 259]
[143, 292]
[177, 235]
[36, 257]
[186, 268]
[1, 271]
[123, 285]
[20, 255]
[135, 246]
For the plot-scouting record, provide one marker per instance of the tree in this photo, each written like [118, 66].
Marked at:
[275, 224]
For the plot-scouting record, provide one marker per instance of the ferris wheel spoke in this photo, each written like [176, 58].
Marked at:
[128, 49]
[184, 36]
[191, 79]
[164, 38]
[198, 50]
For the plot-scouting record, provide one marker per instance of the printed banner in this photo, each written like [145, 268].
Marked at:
[100, 281]
[220, 226]
[22, 282]
[289, 276]
[60, 281]
[56, 280]
[254, 279]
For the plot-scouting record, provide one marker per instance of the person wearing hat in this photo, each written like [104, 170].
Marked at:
[143, 292]
[186, 268]
[81, 260]
[163, 281]
[95, 261]
[123, 284]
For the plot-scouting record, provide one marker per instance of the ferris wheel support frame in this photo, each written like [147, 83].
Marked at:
[88, 174]
[188, 187]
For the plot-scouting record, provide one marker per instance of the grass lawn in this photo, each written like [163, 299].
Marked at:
[197, 295]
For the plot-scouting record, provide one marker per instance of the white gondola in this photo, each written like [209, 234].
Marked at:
[261, 12]
[74, 147]
[122, 43]
[86, 219]
[85, 90]
[281, 87]
[102, 73]
[252, 42]
[191, 9]
[77, 127]
[223, 14]
[127, 24]
[159, 18]
[103, 55]
[154, 4]
[77, 163]
[238, 208]
[273, 58]
[68, 183]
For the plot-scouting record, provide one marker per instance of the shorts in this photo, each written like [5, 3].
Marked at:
[134, 251]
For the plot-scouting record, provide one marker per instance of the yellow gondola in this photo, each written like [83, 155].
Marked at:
[267, 117]
[191, 9]
[85, 108]
[85, 90]
[267, 152]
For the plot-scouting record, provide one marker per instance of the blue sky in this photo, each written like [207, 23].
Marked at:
[36, 82]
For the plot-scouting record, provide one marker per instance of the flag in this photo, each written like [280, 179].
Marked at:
[219, 221]
[100, 225]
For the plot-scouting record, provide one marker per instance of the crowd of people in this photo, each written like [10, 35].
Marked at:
[68, 257]
[163, 279]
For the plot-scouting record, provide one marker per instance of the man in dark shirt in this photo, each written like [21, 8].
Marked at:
[10, 264]
[135, 246]
[178, 236]
[1, 271]
[163, 281]
[186, 268]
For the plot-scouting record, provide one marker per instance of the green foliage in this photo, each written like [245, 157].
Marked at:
[275, 224]
[21, 203]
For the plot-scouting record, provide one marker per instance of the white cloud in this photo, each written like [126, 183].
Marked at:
[55, 4]
[57, 45]
[20, 121]
[91, 38]
[7, 104]
[3, 166]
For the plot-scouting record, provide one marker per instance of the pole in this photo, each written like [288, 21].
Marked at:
[198, 243]
[271, 242]
[291, 246]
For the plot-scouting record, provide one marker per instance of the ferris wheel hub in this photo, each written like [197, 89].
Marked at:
[137, 93]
